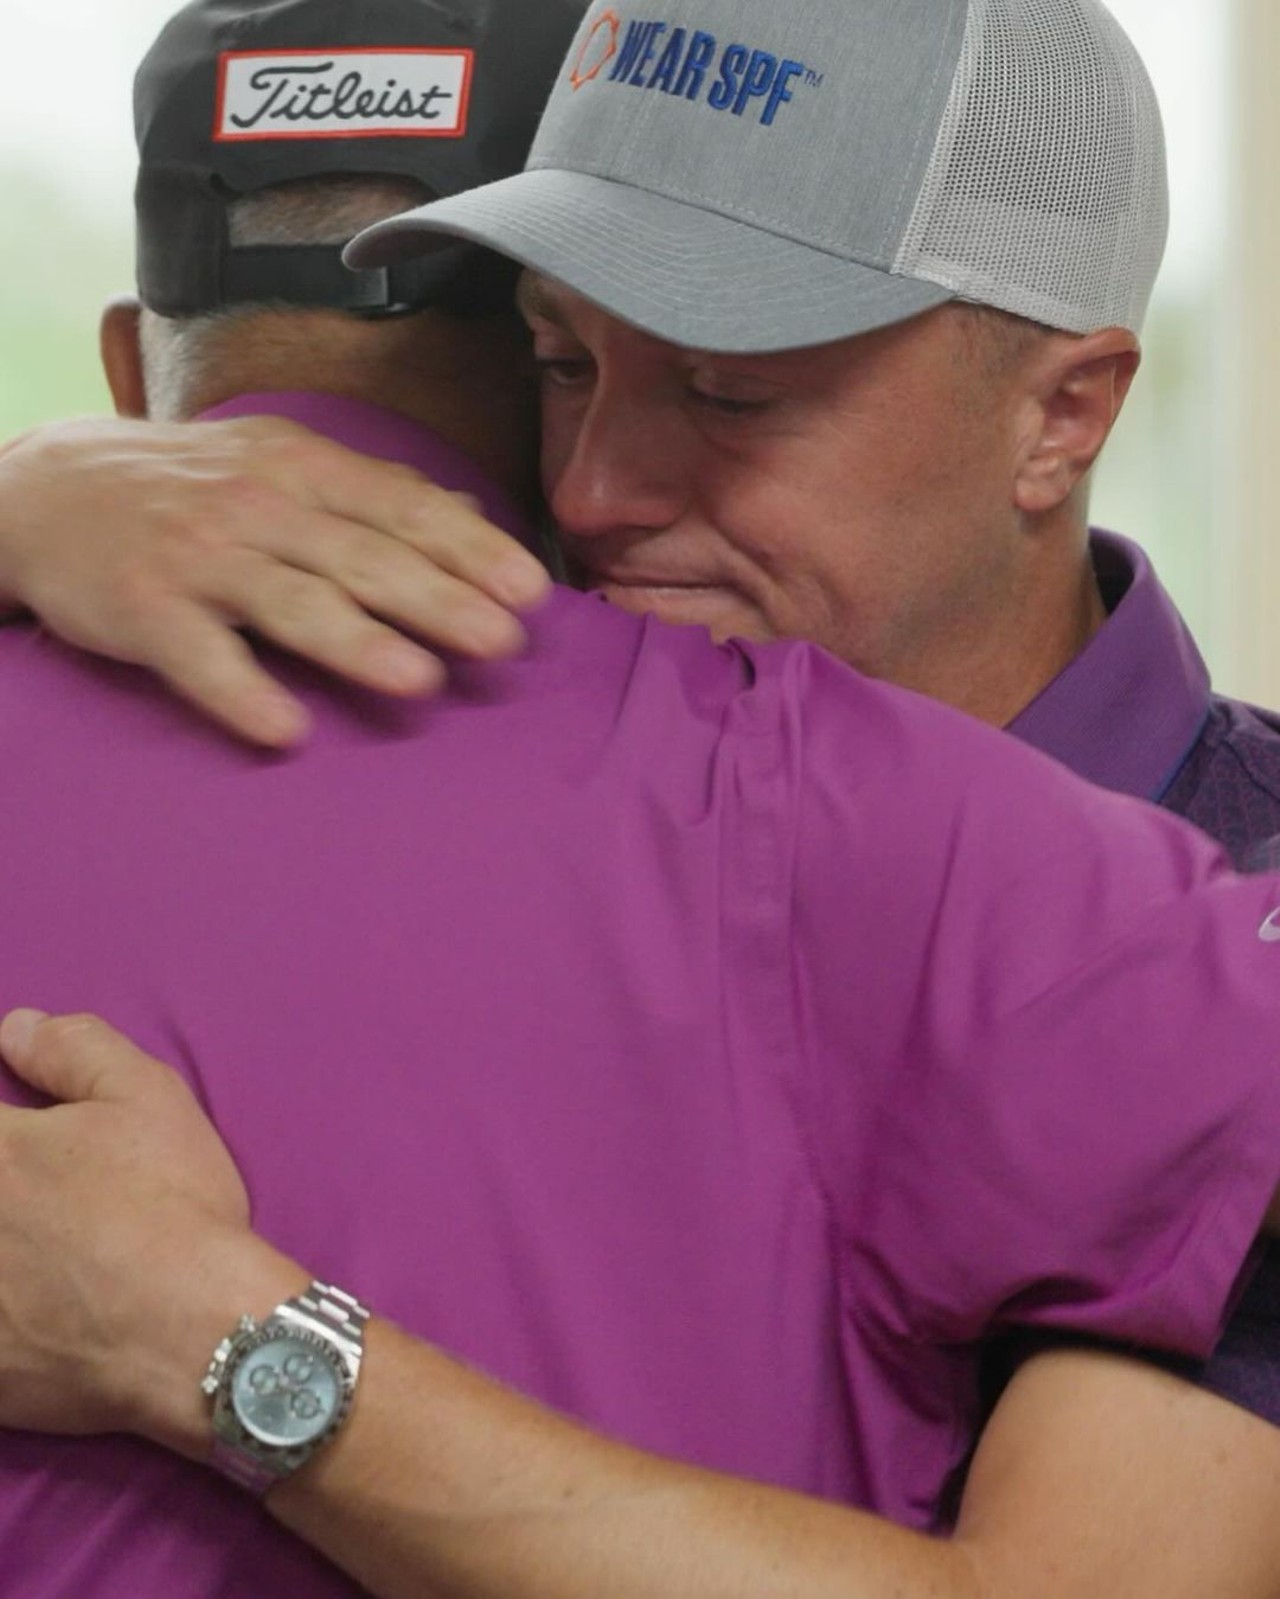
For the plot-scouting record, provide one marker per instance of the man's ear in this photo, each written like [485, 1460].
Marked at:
[121, 348]
[1079, 386]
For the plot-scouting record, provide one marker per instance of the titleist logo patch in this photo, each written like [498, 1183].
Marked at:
[343, 94]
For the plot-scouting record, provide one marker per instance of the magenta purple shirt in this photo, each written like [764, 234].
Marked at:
[707, 1041]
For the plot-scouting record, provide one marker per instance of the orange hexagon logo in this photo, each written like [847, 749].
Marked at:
[598, 49]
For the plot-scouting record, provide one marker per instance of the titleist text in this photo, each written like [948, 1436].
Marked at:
[304, 94]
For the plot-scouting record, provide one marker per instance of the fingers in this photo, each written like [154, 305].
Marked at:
[308, 616]
[461, 541]
[17, 1035]
[74, 1058]
[447, 528]
[334, 571]
[202, 659]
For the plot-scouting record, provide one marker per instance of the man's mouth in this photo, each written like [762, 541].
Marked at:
[682, 602]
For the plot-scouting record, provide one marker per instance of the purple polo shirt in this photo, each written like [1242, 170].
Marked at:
[1135, 712]
[707, 1041]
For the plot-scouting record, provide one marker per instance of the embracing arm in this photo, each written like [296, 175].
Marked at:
[1096, 1476]
[152, 543]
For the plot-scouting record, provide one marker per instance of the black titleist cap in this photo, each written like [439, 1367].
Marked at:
[237, 96]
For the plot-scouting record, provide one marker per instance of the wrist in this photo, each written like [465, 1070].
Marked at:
[237, 1274]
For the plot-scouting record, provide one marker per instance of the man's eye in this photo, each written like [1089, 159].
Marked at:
[729, 404]
[565, 372]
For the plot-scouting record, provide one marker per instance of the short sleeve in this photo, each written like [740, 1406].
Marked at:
[1039, 1062]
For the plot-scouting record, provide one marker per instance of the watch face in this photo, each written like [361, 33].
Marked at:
[287, 1390]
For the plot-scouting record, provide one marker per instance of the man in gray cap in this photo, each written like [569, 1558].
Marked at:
[728, 180]
[916, 366]
[909, 488]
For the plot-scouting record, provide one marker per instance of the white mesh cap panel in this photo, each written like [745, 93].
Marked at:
[1046, 195]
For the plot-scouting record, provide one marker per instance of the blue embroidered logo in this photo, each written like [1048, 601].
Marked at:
[695, 66]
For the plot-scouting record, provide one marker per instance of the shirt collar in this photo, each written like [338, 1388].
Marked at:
[389, 436]
[1127, 711]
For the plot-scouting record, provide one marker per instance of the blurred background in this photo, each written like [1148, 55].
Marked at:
[1188, 474]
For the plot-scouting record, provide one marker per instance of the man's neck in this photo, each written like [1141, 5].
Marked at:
[460, 379]
[389, 435]
[1065, 632]
[995, 669]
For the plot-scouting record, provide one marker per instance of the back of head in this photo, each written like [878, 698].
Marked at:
[737, 175]
[284, 341]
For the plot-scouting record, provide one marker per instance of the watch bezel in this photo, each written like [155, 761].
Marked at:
[234, 1430]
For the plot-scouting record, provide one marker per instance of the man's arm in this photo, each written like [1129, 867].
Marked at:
[1096, 1477]
[154, 543]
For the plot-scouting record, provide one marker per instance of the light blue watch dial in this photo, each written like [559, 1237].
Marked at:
[286, 1392]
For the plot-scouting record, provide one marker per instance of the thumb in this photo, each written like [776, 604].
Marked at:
[72, 1058]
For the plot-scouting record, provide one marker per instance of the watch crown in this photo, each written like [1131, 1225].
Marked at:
[212, 1379]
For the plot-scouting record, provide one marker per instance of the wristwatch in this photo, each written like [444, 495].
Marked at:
[282, 1387]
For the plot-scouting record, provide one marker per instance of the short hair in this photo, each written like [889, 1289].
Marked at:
[1000, 339]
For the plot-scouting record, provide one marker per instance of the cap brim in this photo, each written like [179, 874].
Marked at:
[675, 270]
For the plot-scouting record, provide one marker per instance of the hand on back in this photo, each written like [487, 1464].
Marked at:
[155, 544]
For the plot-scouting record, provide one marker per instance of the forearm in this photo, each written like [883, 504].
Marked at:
[1099, 1476]
[445, 1482]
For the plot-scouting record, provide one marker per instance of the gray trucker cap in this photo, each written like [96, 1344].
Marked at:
[750, 175]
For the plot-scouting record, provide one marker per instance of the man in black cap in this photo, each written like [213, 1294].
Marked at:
[260, 155]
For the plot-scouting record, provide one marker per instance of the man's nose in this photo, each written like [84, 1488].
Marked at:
[625, 468]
